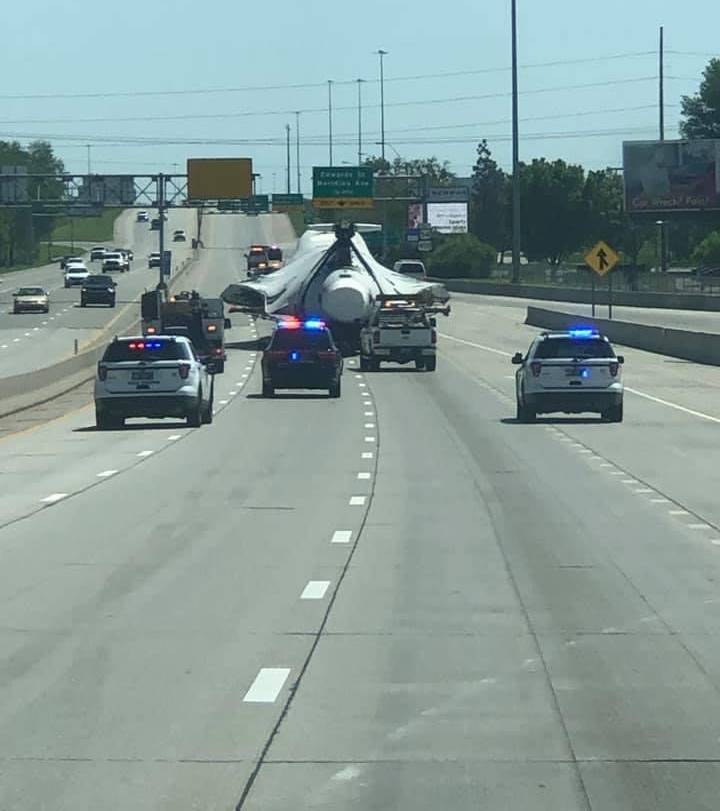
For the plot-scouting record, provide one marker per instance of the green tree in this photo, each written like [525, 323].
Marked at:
[708, 251]
[437, 171]
[490, 211]
[462, 256]
[554, 210]
[702, 111]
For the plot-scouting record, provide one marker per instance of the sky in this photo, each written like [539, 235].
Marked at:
[149, 85]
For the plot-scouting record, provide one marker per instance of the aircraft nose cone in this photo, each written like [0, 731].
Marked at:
[345, 299]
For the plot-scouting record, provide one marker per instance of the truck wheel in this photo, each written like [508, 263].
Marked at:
[268, 390]
[194, 418]
[431, 364]
[419, 364]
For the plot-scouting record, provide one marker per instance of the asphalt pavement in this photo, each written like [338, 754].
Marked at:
[399, 599]
[30, 341]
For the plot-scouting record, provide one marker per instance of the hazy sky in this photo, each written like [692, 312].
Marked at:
[601, 87]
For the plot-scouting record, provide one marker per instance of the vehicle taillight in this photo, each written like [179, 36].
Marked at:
[102, 371]
[433, 336]
[212, 327]
[151, 330]
[327, 354]
[536, 368]
[184, 370]
[614, 367]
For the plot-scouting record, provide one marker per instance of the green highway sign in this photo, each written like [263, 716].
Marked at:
[258, 203]
[342, 186]
[288, 200]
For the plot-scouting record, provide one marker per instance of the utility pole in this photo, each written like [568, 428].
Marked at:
[330, 127]
[287, 132]
[297, 147]
[661, 102]
[161, 235]
[359, 84]
[516, 224]
[382, 54]
[88, 157]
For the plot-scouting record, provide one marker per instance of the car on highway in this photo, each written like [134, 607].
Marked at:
[31, 299]
[179, 235]
[155, 224]
[154, 260]
[274, 257]
[98, 289]
[75, 274]
[573, 371]
[411, 267]
[142, 216]
[71, 260]
[97, 253]
[115, 260]
[157, 376]
[301, 355]
[127, 252]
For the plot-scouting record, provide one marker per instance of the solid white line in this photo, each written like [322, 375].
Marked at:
[315, 590]
[364, 475]
[106, 474]
[367, 455]
[357, 501]
[677, 407]
[341, 536]
[143, 454]
[54, 497]
[174, 437]
[477, 346]
[267, 685]
[369, 439]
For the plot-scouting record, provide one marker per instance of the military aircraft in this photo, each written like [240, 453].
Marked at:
[332, 276]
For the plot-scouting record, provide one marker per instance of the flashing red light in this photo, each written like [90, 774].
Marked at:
[290, 323]
[151, 330]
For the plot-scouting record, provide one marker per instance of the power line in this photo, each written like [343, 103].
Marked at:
[312, 85]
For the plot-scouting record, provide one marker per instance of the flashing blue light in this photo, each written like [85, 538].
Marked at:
[294, 356]
[583, 333]
[314, 323]
[585, 373]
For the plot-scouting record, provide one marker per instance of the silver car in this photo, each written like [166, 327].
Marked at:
[31, 299]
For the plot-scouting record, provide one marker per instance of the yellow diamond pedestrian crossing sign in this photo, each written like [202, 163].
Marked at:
[602, 258]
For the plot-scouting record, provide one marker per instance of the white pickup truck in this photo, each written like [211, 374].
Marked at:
[400, 331]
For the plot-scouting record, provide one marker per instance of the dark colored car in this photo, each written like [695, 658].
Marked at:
[302, 355]
[98, 290]
[154, 260]
[155, 224]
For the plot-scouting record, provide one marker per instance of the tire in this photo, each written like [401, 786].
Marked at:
[364, 363]
[334, 390]
[614, 413]
[420, 364]
[47, 310]
[112, 305]
[207, 414]
[194, 418]
[374, 365]
[82, 303]
[431, 364]
[524, 414]
[105, 422]
[268, 390]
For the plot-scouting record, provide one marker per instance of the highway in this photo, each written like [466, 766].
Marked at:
[401, 599]
[30, 341]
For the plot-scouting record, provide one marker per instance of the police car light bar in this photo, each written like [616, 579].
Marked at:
[583, 332]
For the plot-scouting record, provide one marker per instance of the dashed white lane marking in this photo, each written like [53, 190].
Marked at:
[678, 512]
[174, 437]
[54, 497]
[44, 323]
[698, 526]
[369, 425]
[4, 346]
[644, 490]
[16, 340]
[232, 393]
[244, 377]
[367, 455]
[659, 500]
[367, 402]
[28, 334]
[369, 439]
[607, 464]
[267, 685]
[357, 501]
[630, 481]
[36, 329]
[358, 377]
[715, 542]
[363, 475]
[341, 536]
[224, 402]
[368, 414]
[105, 474]
[362, 385]
[315, 590]
[144, 454]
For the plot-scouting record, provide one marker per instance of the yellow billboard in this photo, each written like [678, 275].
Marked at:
[219, 178]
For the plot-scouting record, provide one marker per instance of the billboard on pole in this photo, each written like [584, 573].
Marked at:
[448, 218]
[219, 178]
[671, 175]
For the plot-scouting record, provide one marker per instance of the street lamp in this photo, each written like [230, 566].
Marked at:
[330, 121]
[516, 224]
[382, 54]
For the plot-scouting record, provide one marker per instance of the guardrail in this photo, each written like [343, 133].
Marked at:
[23, 391]
[577, 295]
[700, 347]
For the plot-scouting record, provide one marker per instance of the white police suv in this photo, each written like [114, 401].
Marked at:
[157, 376]
[570, 372]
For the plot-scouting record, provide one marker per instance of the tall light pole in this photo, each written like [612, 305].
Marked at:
[382, 54]
[287, 133]
[297, 147]
[661, 104]
[516, 224]
[330, 127]
[88, 156]
[359, 85]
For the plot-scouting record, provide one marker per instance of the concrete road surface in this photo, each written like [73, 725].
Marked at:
[401, 599]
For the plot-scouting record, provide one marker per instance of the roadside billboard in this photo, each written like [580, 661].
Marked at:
[219, 178]
[448, 218]
[671, 175]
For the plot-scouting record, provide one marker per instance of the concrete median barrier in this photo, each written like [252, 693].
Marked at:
[23, 391]
[700, 347]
